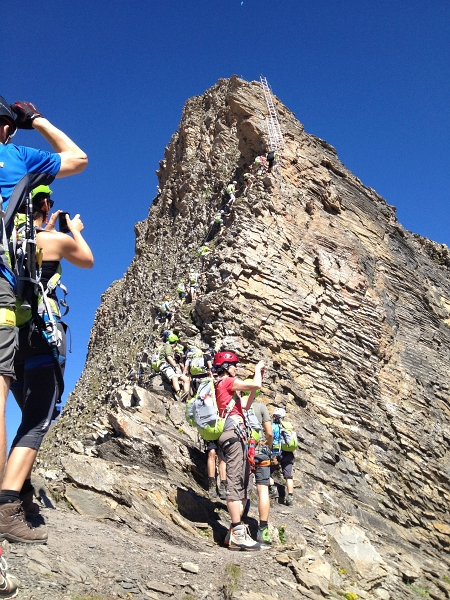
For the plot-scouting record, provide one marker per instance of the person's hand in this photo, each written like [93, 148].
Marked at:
[75, 224]
[51, 221]
[261, 366]
[26, 113]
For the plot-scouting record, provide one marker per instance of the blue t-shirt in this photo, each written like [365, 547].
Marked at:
[16, 162]
[21, 170]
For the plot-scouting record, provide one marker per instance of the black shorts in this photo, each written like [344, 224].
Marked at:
[286, 462]
[210, 446]
[262, 474]
[36, 390]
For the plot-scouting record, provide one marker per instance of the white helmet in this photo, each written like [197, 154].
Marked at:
[279, 412]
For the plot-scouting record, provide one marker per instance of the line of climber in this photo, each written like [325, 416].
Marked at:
[189, 284]
[236, 430]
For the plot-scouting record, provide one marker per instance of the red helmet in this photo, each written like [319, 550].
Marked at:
[225, 358]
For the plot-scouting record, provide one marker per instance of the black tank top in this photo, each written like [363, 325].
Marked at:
[49, 268]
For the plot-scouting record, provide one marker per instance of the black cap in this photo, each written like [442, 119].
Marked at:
[6, 112]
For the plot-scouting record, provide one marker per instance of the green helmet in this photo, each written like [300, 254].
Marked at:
[41, 189]
[172, 338]
[248, 393]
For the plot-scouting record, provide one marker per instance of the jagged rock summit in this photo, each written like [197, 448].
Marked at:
[351, 313]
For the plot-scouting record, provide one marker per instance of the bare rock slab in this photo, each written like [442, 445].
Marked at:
[96, 474]
[89, 504]
[353, 550]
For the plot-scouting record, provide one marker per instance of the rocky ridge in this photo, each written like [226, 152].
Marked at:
[351, 313]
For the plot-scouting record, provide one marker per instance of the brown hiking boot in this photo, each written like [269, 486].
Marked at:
[14, 527]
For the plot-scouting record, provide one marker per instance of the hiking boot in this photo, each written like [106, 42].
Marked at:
[289, 501]
[8, 583]
[15, 528]
[30, 508]
[212, 490]
[273, 492]
[240, 539]
[223, 490]
[181, 396]
[263, 537]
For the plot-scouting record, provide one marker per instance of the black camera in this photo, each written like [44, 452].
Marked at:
[62, 222]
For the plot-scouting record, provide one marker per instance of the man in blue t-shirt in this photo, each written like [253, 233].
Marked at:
[22, 169]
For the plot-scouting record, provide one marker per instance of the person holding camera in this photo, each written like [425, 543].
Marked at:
[38, 371]
[21, 169]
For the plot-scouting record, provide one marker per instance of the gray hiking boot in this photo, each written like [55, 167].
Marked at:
[289, 500]
[223, 490]
[212, 490]
[15, 528]
[264, 537]
[240, 539]
[273, 492]
[8, 583]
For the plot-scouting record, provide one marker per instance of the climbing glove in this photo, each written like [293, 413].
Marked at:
[26, 113]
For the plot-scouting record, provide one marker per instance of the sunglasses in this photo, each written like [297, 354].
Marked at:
[50, 203]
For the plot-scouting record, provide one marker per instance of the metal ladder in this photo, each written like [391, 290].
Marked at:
[276, 140]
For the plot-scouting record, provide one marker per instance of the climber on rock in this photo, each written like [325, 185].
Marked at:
[248, 182]
[217, 225]
[198, 365]
[281, 458]
[272, 157]
[259, 166]
[262, 470]
[233, 442]
[169, 368]
[181, 291]
[194, 277]
[230, 191]
[203, 251]
[165, 312]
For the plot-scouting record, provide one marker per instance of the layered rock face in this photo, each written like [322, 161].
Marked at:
[314, 275]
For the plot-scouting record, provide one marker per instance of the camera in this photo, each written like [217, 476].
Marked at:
[62, 222]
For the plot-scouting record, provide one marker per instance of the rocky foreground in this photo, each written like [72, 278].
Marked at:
[351, 314]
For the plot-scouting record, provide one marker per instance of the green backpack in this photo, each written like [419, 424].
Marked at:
[203, 414]
[289, 441]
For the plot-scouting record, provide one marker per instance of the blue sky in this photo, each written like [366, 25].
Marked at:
[372, 78]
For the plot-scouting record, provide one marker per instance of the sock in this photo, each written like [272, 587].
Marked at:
[263, 524]
[7, 496]
[211, 479]
[27, 487]
[233, 525]
[223, 481]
